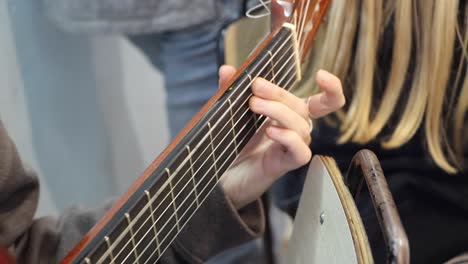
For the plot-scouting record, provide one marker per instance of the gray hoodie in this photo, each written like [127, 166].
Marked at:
[135, 16]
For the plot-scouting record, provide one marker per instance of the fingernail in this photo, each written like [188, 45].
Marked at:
[221, 69]
[323, 75]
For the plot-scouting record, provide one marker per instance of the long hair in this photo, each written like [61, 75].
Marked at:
[427, 72]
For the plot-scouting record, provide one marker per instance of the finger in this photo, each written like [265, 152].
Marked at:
[297, 151]
[269, 91]
[330, 100]
[284, 115]
[226, 72]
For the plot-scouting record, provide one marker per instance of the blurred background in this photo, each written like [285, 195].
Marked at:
[119, 132]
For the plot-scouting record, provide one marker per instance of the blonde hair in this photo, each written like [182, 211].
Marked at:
[426, 35]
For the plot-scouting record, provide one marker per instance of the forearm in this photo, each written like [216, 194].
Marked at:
[218, 226]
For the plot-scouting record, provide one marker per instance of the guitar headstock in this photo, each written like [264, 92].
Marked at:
[306, 15]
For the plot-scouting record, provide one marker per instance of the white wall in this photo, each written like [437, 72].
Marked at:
[129, 89]
[12, 104]
[133, 96]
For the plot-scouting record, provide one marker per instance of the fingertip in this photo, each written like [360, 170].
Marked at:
[323, 76]
[226, 67]
[332, 87]
[259, 82]
[225, 72]
[327, 80]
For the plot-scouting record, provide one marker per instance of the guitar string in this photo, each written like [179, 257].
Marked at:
[301, 20]
[312, 16]
[162, 251]
[183, 202]
[139, 215]
[252, 10]
[303, 26]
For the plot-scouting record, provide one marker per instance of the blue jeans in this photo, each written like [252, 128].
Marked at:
[189, 60]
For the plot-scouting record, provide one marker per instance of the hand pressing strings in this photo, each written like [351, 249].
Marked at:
[282, 144]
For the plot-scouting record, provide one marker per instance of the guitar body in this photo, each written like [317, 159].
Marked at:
[327, 229]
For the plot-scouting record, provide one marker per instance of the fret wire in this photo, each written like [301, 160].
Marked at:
[148, 195]
[193, 174]
[132, 234]
[272, 66]
[173, 199]
[245, 138]
[212, 151]
[154, 197]
[106, 238]
[232, 126]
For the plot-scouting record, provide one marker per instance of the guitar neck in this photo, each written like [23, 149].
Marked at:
[152, 216]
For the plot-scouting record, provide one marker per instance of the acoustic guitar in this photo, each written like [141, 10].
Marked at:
[146, 220]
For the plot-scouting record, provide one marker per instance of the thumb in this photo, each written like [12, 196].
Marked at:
[330, 99]
[226, 72]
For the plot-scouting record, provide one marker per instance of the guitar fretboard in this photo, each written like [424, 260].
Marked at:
[153, 217]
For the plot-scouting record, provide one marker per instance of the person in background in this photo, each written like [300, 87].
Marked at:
[180, 38]
[404, 68]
